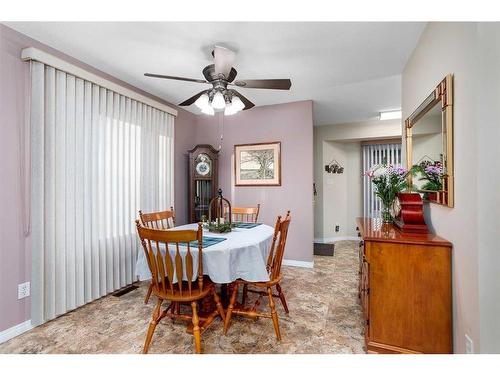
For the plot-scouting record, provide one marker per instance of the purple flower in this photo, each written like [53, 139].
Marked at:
[400, 171]
[433, 170]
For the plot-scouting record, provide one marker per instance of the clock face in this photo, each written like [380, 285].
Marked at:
[203, 165]
[203, 168]
[396, 208]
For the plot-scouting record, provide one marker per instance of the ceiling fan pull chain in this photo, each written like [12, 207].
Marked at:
[221, 127]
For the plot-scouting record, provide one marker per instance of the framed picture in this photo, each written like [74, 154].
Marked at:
[258, 164]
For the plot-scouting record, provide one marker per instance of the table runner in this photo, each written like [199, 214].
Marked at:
[247, 225]
[207, 241]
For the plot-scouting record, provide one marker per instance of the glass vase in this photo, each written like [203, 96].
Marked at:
[386, 213]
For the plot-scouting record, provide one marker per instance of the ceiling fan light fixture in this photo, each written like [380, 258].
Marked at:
[218, 101]
[230, 110]
[202, 101]
[208, 110]
[237, 104]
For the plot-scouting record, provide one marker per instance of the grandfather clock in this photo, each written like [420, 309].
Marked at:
[203, 184]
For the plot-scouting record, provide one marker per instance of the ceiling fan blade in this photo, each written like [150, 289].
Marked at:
[192, 99]
[173, 77]
[248, 103]
[274, 84]
[224, 60]
[232, 75]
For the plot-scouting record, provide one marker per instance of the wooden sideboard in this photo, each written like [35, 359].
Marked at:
[405, 290]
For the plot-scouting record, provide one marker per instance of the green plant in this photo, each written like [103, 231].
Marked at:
[220, 228]
[388, 181]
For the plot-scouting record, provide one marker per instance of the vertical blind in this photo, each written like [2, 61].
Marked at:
[97, 157]
[374, 154]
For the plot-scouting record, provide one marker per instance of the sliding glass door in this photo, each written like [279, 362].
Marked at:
[97, 158]
[373, 154]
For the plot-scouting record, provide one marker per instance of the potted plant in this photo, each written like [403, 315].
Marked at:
[388, 180]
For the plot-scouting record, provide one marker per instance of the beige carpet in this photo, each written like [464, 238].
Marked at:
[325, 317]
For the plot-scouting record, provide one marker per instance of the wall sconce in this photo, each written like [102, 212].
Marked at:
[334, 167]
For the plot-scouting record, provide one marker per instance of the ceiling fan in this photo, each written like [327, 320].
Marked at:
[221, 76]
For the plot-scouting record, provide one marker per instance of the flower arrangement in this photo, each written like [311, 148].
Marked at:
[388, 181]
[432, 173]
[217, 226]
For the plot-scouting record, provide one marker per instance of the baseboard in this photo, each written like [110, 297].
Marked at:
[335, 239]
[15, 331]
[297, 263]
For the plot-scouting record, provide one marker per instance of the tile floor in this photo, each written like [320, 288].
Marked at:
[325, 317]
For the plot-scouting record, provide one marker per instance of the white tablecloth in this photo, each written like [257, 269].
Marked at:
[243, 255]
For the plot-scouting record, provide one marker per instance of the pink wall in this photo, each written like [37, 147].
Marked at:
[292, 124]
[289, 123]
[15, 248]
[185, 126]
[15, 261]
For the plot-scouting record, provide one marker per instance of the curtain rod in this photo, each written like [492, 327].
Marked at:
[34, 54]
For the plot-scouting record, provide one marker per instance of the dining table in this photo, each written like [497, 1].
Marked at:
[238, 254]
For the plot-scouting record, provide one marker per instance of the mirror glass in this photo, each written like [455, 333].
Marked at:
[427, 152]
[429, 145]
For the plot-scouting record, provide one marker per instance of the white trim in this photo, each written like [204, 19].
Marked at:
[15, 331]
[35, 54]
[335, 239]
[297, 263]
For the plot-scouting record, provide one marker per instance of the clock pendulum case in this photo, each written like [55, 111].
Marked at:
[203, 184]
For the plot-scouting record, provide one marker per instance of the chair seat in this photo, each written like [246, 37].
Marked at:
[260, 284]
[196, 293]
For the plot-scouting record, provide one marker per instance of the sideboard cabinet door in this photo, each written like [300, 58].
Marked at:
[405, 291]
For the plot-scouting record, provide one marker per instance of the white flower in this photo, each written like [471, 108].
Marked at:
[380, 171]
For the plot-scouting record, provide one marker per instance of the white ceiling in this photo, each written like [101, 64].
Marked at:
[350, 70]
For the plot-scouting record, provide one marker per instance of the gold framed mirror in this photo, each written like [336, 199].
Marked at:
[429, 145]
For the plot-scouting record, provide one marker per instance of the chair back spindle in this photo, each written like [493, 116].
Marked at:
[172, 275]
[158, 220]
[244, 214]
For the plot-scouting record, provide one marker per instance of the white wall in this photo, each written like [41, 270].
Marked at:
[339, 197]
[342, 193]
[488, 138]
[359, 131]
[461, 48]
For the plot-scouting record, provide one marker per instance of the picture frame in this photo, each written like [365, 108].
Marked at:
[257, 164]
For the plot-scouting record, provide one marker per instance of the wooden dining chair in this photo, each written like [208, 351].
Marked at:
[177, 279]
[274, 261]
[245, 214]
[157, 220]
